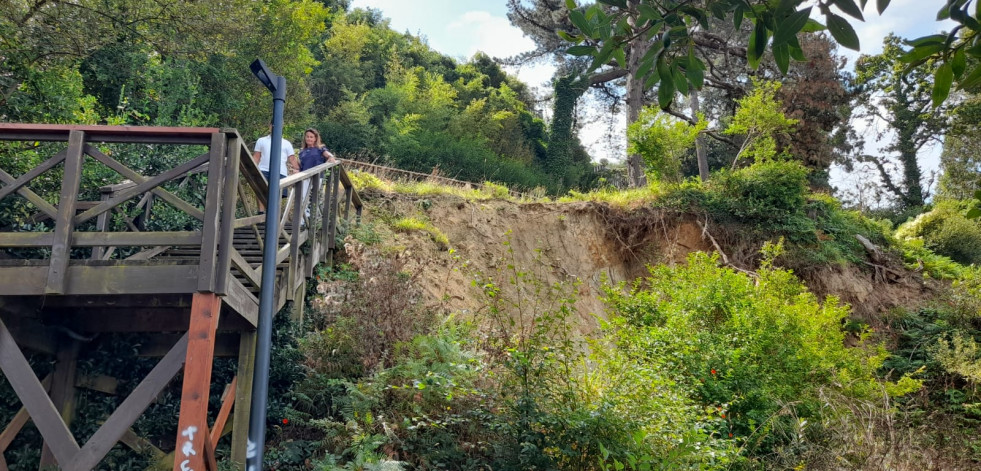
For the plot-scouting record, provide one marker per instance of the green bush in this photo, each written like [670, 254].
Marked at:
[946, 231]
[756, 350]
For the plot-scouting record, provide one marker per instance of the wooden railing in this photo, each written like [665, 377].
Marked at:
[76, 249]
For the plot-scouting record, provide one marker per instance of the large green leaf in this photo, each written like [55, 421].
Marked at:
[781, 55]
[812, 26]
[941, 83]
[570, 4]
[920, 53]
[881, 5]
[842, 31]
[665, 93]
[616, 3]
[850, 8]
[757, 44]
[680, 81]
[972, 80]
[790, 26]
[581, 50]
[958, 62]
[581, 22]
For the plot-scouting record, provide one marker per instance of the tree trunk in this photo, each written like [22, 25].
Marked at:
[703, 166]
[635, 97]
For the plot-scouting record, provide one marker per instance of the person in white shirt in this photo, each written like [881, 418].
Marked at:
[287, 159]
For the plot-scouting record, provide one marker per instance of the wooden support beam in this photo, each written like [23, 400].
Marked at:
[65, 222]
[35, 399]
[15, 184]
[140, 444]
[143, 185]
[334, 205]
[228, 204]
[212, 207]
[132, 407]
[243, 397]
[17, 423]
[47, 208]
[136, 177]
[62, 392]
[193, 423]
[227, 401]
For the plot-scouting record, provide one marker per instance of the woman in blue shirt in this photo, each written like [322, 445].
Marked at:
[313, 153]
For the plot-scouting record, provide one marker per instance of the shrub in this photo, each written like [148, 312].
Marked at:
[946, 231]
[749, 348]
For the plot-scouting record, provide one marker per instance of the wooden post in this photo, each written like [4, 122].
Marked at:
[212, 203]
[228, 203]
[62, 392]
[35, 399]
[101, 225]
[65, 222]
[328, 214]
[193, 422]
[243, 398]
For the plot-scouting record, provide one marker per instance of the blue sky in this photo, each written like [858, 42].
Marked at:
[460, 28]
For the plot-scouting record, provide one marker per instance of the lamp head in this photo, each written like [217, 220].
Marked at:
[266, 76]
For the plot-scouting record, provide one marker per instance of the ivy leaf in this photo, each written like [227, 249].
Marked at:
[790, 26]
[941, 83]
[842, 31]
[850, 8]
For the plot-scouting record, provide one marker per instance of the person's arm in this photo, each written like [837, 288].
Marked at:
[328, 157]
[256, 156]
[293, 163]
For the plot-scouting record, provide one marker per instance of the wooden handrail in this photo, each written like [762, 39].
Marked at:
[232, 176]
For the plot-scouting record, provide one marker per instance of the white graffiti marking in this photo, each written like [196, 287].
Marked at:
[185, 466]
[188, 449]
[189, 432]
[251, 450]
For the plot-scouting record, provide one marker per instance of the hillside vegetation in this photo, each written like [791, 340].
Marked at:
[661, 331]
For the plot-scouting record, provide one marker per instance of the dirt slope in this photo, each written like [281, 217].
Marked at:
[577, 241]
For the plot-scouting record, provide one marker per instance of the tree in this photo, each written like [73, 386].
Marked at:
[760, 119]
[902, 97]
[961, 157]
[663, 140]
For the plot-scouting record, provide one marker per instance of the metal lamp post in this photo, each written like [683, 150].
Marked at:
[260, 382]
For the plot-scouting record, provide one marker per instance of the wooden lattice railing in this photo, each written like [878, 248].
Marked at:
[73, 256]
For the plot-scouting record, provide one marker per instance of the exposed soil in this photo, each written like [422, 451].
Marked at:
[592, 243]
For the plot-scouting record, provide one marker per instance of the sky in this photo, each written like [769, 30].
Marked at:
[460, 28]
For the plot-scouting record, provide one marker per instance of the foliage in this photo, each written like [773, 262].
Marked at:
[959, 159]
[413, 224]
[900, 96]
[752, 349]
[760, 118]
[946, 231]
[662, 141]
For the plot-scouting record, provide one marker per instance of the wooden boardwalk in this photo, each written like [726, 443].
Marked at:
[83, 260]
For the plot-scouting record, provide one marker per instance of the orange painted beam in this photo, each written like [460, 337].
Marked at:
[226, 410]
[192, 428]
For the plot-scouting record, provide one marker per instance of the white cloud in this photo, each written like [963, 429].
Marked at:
[493, 35]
